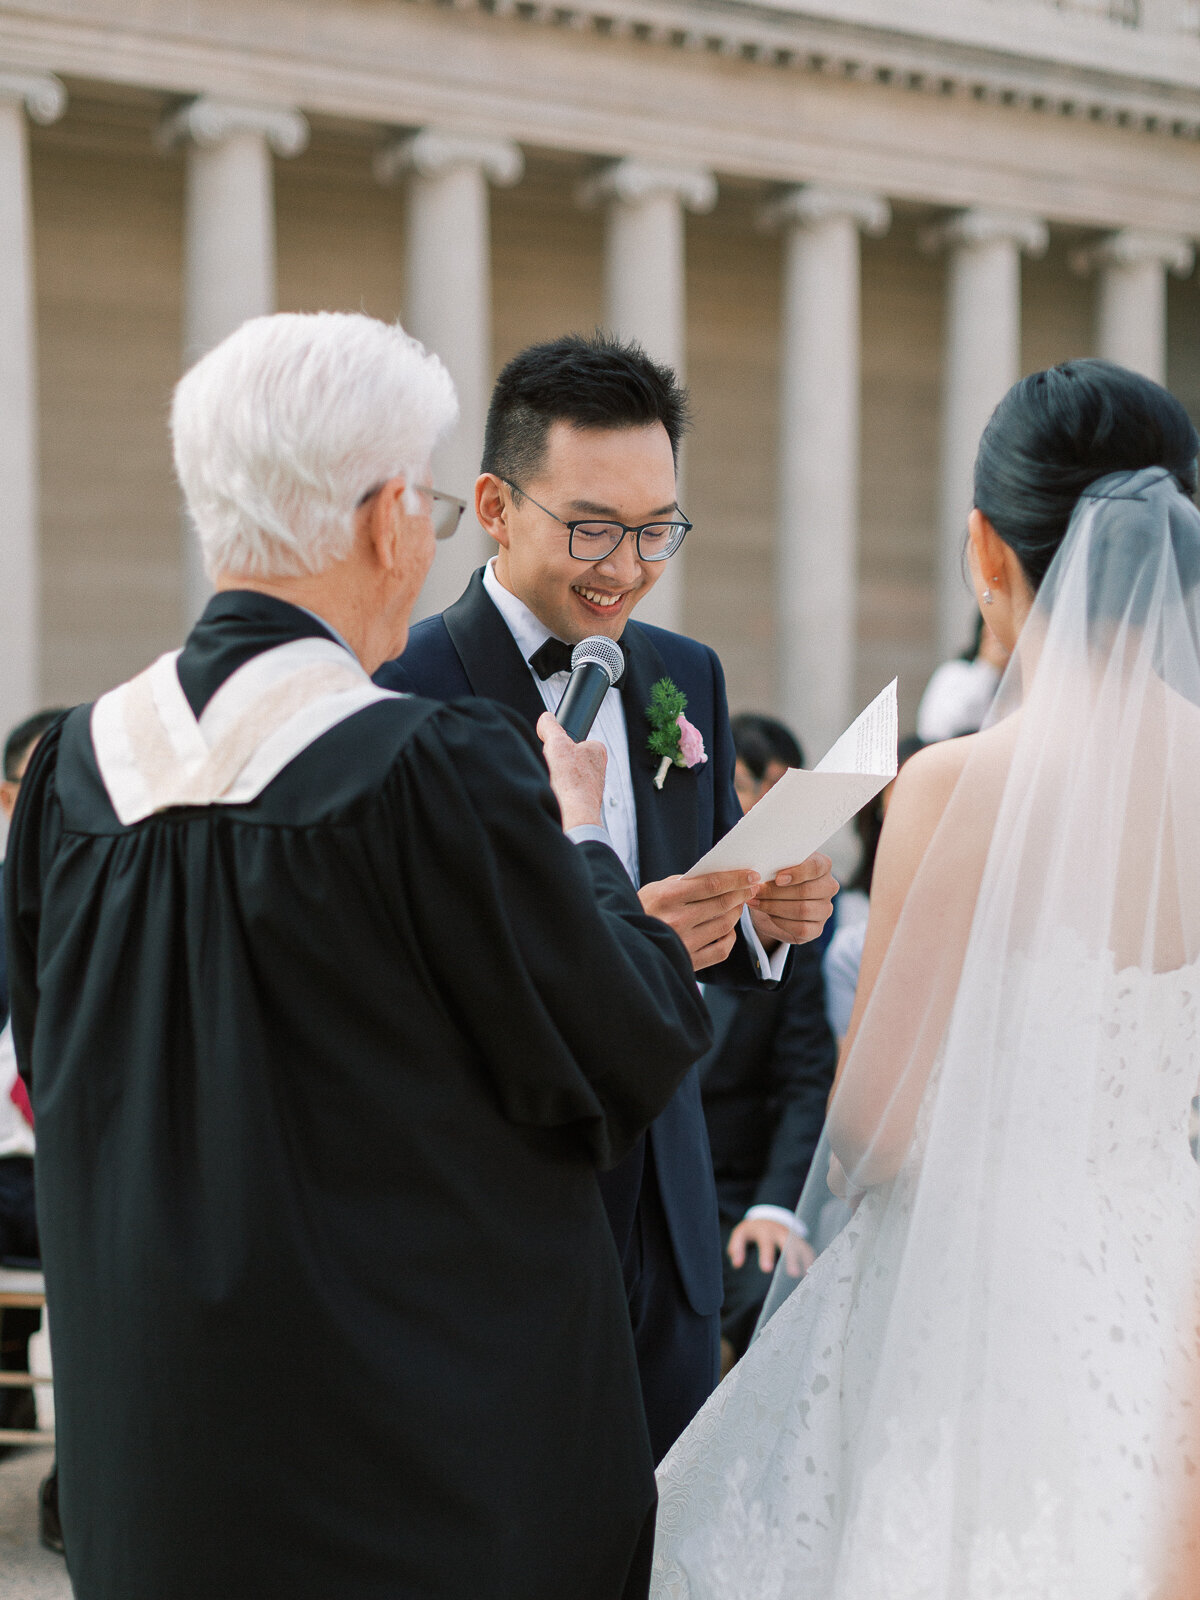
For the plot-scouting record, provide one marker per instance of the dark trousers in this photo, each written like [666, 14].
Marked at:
[678, 1350]
[745, 1291]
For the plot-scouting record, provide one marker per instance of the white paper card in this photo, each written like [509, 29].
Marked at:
[805, 809]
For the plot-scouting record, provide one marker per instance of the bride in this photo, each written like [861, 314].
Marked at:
[986, 1387]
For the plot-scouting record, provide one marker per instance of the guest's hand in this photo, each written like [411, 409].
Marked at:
[703, 911]
[769, 1236]
[798, 1255]
[796, 904]
[576, 774]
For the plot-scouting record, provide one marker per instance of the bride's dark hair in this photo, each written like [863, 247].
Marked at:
[1056, 432]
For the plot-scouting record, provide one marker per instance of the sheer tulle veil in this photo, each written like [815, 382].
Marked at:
[1012, 1119]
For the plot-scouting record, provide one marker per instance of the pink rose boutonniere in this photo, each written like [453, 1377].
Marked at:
[676, 741]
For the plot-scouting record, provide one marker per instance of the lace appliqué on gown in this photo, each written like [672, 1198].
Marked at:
[1017, 1439]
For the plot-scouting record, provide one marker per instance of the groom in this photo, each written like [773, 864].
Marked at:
[578, 490]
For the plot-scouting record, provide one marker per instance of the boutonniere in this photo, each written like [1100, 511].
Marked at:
[672, 736]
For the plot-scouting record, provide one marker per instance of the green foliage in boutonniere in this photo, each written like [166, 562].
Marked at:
[672, 737]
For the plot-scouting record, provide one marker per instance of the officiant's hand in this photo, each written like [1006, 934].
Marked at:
[796, 904]
[703, 911]
[576, 774]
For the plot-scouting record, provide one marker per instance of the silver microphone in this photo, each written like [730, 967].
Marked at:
[596, 664]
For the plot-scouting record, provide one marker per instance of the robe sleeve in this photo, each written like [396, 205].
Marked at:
[584, 1010]
[36, 826]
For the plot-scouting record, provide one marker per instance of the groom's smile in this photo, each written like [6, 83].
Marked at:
[605, 475]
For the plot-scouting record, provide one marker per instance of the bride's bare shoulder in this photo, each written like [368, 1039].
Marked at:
[927, 779]
[923, 790]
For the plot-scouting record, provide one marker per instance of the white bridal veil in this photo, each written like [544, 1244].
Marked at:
[986, 1385]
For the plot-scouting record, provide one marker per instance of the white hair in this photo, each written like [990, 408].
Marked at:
[281, 429]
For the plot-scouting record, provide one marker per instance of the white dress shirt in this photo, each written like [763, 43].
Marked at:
[620, 808]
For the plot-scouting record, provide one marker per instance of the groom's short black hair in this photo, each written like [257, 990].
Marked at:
[596, 382]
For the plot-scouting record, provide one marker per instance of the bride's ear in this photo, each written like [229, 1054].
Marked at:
[994, 564]
[987, 548]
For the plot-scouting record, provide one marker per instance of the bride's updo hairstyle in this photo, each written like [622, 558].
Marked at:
[1057, 432]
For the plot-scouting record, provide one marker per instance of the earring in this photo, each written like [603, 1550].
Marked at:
[988, 597]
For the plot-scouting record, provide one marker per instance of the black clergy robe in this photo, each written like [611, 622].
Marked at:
[322, 1081]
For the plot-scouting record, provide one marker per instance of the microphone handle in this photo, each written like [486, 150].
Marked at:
[586, 688]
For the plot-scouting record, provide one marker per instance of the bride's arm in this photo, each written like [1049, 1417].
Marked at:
[869, 1122]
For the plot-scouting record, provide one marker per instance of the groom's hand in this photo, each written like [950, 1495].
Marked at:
[703, 911]
[796, 904]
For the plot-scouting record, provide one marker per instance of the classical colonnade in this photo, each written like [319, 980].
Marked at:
[230, 275]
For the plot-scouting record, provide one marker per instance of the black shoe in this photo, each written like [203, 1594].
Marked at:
[49, 1527]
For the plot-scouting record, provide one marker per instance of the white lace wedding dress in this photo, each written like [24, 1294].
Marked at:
[1017, 1438]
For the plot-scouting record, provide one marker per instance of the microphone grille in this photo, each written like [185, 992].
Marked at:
[601, 652]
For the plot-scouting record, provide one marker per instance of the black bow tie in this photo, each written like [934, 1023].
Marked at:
[555, 656]
[551, 657]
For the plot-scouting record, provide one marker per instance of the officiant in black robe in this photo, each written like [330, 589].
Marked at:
[328, 1028]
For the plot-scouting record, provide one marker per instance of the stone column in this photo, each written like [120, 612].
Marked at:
[229, 236]
[819, 402]
[43, 98]
[448, 306]
[982, 360]
[645, 291]
[1131, 295]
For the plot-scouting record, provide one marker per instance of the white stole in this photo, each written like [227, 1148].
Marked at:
[154, 752]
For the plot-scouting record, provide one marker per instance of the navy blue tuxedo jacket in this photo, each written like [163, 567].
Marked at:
[468, 650]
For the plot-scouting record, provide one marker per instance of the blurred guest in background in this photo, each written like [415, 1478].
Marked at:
[18, 1218]
[764, 1083]
[844, 954]
[18, 748]
[18, 1221]
[960, 692]
[765, 750]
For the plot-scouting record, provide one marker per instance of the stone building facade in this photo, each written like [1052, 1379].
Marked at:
[850, 222]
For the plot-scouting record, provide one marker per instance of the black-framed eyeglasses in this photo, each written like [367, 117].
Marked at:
[447, 508]
[593, 540]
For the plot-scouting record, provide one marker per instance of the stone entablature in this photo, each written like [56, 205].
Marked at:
[1080, 59]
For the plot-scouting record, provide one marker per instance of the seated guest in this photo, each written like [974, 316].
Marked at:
[764, 1083]
[18, 1221]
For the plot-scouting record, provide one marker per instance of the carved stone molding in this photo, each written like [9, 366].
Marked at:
[208, 121]
[984, 225]
[778, 36]
[431, 152]
[632, 181]
[43, 95]
[815, 202]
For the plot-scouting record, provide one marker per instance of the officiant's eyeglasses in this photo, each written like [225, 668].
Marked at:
[447, 508]
[593, 541]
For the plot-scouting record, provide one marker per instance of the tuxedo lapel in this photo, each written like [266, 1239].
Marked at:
[489, 654]
[667, 818]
